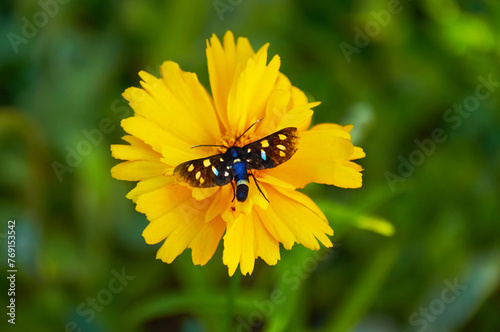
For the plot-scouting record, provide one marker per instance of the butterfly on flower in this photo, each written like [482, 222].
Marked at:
[237, 162]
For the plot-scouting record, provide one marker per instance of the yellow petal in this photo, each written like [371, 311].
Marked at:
[276, 227]
[346, 175]
[220, 204]
[322, 157]
[137, 150]
[184, 227]
[146, 106]
[266, 246]
[358, 153]
[250, 91]
[277, 107]
[239, 244]
[206, 240]
[304, 200]
[287, 106]
[134, 141]
[138, 170]
[333, 129]
[163, 200]
[202, 193]
[296, 212]
[246, 239]
[173, 207]
[299, 117]
[148, 185]
[177, 103]
[192, 233]
[194, 99]
[298, 110]
[269, 179]
[300, 114]
[299, 99]
[223, 63]
[130, 152]
[162, 227]
[254, 198]
[173, 149]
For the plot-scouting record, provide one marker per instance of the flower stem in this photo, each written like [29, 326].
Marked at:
[234, 285]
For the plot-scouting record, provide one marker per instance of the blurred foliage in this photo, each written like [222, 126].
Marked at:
[61, 83]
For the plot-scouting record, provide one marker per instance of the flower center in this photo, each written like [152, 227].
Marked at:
[228, 140]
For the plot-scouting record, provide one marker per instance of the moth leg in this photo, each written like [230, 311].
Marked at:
[258, 187]
[234, 190]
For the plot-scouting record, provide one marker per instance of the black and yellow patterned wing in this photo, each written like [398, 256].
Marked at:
[272, 150]
[205, 172]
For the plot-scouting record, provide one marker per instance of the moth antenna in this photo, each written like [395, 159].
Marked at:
[253, 124]
[207, 145]
[258, 187]
[234, 191]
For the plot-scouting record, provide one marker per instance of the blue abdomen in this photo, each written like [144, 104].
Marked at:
[240, 171]
[241, 177]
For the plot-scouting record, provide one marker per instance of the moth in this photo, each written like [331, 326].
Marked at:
[236, 163]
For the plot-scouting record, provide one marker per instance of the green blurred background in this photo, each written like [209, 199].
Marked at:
[417, 248]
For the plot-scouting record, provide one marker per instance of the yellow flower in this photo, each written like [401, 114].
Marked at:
[174, 113]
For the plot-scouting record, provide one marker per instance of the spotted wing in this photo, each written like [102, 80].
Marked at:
[272, 150]
[205, 172]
